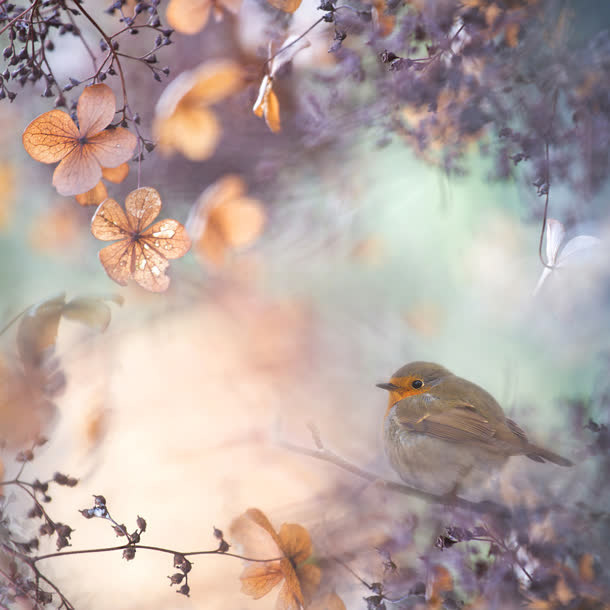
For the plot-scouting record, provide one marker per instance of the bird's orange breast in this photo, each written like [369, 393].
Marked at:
[406, 389]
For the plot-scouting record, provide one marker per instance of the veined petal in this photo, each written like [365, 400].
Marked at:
[118, 259]
[168, 237]
[260, 578]
[290, 596]
[95, 110]
[78, 172]
[149, 268]
[109, 222]
[112, 147]
[295, 541]
[142, 206]
[50, 137]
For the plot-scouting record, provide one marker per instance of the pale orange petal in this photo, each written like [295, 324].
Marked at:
[168, 237]
[295, 541]
[290, 596]
[288, 6]
[194, 132]
[37, 331]
[440, 581]
[225, 189]
[309, 576]
[511, 34]
[95, 110]
[93, 197]
[173, 95]
[272, 111]
[586, 568]
[118, 260]
[78, 172]
[240, 221]
[384, 24]
[109, 222]
[149, 268]
[258, 516]
[214, 81]
[113, 147]
[188, 16]
[56, 229]
[142, 206]
[211, 246]
[253, 533]
[50, 137]
[8, 183]
[115, 174]
[258, 579]
[232, 6]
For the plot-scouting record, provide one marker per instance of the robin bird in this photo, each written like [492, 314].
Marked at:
[444, 434]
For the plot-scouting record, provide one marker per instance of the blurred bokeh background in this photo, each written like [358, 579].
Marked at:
[371, 256]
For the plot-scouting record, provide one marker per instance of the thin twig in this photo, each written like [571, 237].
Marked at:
[82, 38]
[109, 42]
[146, 547]
[15, 19]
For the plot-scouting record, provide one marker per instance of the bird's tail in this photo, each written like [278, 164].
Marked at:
[538, 454]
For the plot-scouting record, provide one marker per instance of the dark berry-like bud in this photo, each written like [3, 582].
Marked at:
[64, 530]
[129, 553]
[35, 512]
[184, 590]
[175, 579]
[23, 456]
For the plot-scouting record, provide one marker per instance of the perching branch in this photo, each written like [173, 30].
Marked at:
[324, 454]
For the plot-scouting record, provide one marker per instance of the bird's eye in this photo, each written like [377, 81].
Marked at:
[418, 383]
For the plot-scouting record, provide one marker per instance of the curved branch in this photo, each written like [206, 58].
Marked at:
[321, 453]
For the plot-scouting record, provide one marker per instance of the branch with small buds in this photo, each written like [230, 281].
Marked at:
[31, 37]
[26, 586]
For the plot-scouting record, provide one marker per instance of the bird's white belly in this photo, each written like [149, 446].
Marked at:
[435, 465]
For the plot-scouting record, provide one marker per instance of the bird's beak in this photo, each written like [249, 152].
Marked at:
[387, 386]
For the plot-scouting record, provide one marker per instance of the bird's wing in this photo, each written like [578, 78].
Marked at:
[516, 430]
[458, 423]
